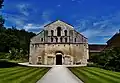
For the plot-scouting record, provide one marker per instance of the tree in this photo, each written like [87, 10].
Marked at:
[109, 59]
[1, 21]
[14, 40]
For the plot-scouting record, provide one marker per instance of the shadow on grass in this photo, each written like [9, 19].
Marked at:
[6, 64]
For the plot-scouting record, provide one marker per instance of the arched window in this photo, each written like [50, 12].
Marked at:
[65, 39]
[59, 31]
[56, 39]
[75, 39]
[52, 32]
[65, 32]
[51, 39]
[61, 39]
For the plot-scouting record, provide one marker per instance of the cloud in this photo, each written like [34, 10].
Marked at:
[78, 1]
[90, 33]
[46, 15]
[99, 29]
[106, 38]
[72, 0]
[104, 27]
[59, 5]
[31, 26]
[22, 22]
[23, 8]
[17, 20]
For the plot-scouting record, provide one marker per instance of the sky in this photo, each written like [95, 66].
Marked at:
[98, 20]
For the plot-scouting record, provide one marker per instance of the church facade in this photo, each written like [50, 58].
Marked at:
[59, 44]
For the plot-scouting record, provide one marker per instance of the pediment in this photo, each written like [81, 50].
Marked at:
[58, 23]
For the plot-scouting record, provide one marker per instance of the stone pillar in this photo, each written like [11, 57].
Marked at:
[45, 59]
[87, 51]
[71, 60]
[55, 33]
[58, 39]
[54, 59]
[62, 60]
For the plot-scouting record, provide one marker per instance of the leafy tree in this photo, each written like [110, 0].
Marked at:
[1, 22]
[109, 59]
[12, 38]
[14, 44]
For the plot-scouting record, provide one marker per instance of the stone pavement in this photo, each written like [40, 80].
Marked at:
[59, 74]
[27, 64]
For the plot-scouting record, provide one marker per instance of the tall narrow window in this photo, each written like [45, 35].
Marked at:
[46, 33]
[75, 39]
[65, 39]
[65, 32]
[56, 39]
[61, 39]
[59, 31]
[51, 39]
[41, 39]
[52, 32]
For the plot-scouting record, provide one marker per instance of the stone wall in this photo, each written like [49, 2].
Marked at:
[73, 47]
[77, 53]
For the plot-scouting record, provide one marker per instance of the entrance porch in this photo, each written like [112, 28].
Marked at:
[58, 59]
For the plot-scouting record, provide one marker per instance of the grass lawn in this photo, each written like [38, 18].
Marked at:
[20, 74]
[96, 75]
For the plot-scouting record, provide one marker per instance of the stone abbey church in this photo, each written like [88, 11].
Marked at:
[59, 44]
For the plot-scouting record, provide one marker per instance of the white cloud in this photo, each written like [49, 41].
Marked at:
[105, 26]
[106, 38]
[23, 9]
[46, 15]
[46, 19]
[59, 5]
[73, 0]
[29, 26]
[78, 1]
[21, 22]
[15, 19]
[90, 33]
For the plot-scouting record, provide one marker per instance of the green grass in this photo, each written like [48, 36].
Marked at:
[96, 75]
[19, 74]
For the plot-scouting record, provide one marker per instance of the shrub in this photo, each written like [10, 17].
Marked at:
[6, 64]
[108, 59]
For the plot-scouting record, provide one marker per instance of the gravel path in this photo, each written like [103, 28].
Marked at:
[59, 74]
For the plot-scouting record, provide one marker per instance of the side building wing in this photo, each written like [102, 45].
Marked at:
[39, 38]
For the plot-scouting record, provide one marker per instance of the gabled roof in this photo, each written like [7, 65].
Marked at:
[96, 47]
[80, 34]
[37, 34]
[59, 21]
[65, 23]
[117, 35]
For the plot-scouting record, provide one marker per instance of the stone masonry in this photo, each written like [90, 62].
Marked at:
[58, 44]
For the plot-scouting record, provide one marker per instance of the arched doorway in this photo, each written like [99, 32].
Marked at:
[59, 59]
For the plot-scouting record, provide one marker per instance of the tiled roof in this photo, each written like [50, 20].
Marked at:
[96, 47]
[116, 36]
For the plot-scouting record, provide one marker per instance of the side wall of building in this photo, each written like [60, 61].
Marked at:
[37, 53]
